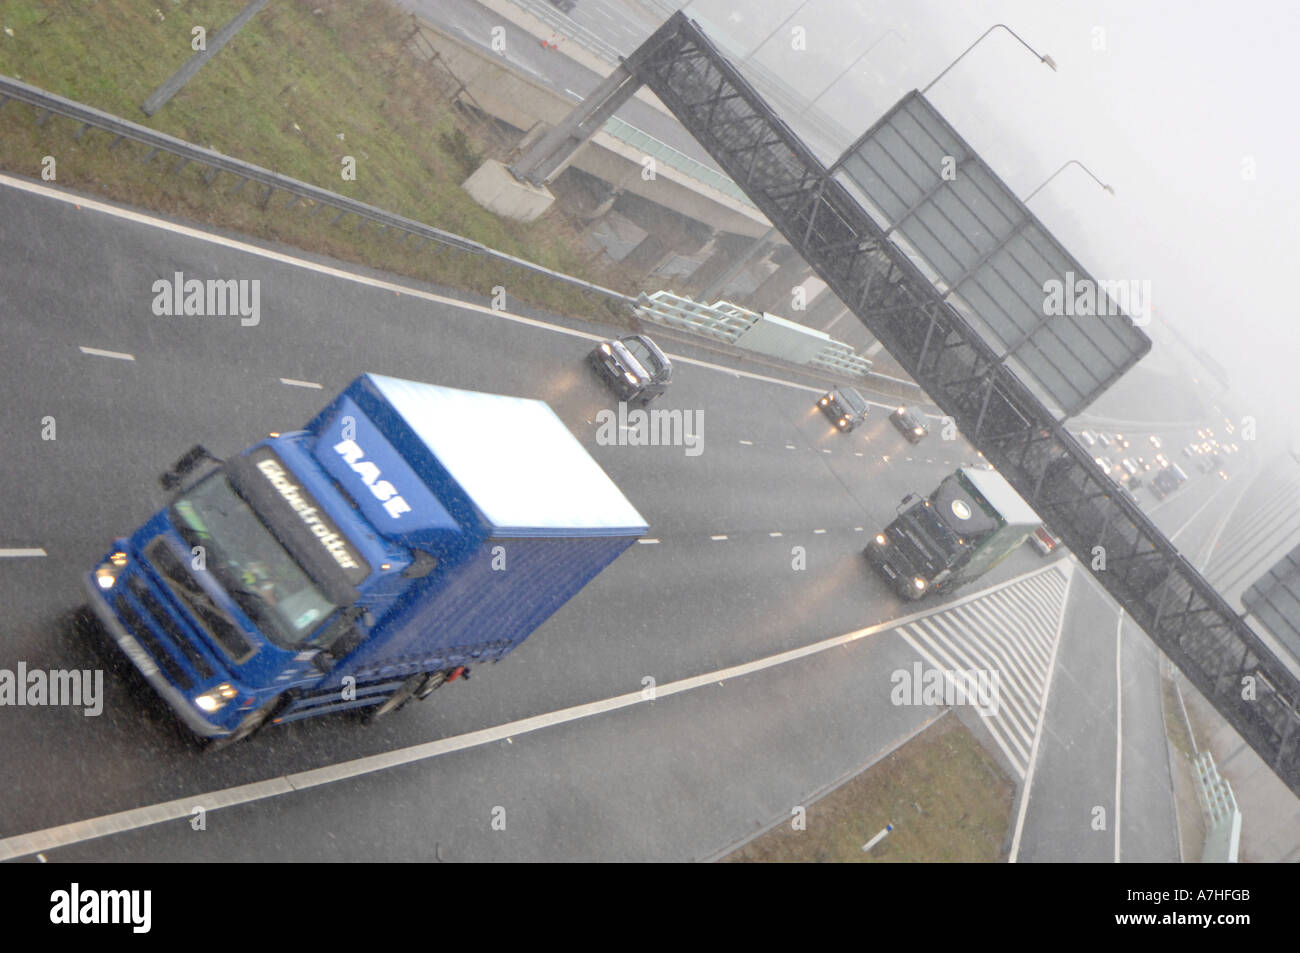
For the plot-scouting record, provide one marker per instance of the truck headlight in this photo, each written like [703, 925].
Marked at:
[880, 539]
[215, 699]
[844, 421]
[631, 378]
[919, 583]
[106, 575]
[825, 402]
[918, 431]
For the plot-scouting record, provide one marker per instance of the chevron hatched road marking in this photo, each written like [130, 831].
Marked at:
[1011, 632]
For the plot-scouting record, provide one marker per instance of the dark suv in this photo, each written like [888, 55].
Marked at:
[634, 366]
[844, 406]
[911, 421]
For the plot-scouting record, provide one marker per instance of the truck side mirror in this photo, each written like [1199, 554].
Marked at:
[184, 466]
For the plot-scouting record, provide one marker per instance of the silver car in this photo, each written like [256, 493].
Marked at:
[633, 366]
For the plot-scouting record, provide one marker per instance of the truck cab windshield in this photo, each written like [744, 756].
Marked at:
[250, 563]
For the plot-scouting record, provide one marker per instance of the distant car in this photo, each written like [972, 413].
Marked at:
[1044, 541]
[1155, 441]
[911, 422]
[1088, 439]
[1103, 439]
[845, 407]
[633, 366]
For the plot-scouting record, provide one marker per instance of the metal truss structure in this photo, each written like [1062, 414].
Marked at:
[998, 412]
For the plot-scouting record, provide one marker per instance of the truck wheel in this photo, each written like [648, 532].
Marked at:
[247, 727]
[399, 697]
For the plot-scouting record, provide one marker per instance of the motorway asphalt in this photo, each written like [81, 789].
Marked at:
[678, 778]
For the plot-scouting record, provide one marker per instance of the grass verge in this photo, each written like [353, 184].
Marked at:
[946, 796]
[304, 85]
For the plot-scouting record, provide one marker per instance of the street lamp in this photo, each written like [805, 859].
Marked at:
[1041, 57]
[1062, 169]
[854, 64]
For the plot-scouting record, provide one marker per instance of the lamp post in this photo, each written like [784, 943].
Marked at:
[1062, 169]
[1041, 57]
[852, 66]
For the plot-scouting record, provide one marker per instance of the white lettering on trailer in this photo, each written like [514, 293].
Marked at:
[384, 491]
[333, 542]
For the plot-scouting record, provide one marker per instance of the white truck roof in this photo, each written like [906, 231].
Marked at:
[515, 459]
[995, 488]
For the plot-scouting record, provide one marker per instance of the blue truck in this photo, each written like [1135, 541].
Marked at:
[408, 534]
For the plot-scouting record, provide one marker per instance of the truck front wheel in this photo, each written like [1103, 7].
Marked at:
[246, 727]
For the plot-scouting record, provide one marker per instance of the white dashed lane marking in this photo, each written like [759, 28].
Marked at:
[97, 352]
[19, 553]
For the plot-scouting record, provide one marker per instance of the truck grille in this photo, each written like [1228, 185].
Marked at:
[177, 636]
[145, 636]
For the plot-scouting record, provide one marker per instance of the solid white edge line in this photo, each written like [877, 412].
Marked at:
[140, 218]
[100, 352]
[21, 845]
[1068, 568]
[1119, 726]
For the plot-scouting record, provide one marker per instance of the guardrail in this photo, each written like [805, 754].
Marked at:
[1223, 818]
[721, 321]
[49, 104]
[729, 323]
